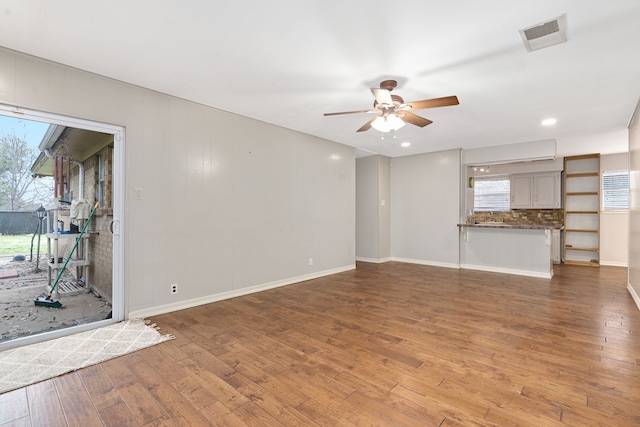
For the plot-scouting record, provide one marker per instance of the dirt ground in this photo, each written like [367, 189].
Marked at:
[19, 316]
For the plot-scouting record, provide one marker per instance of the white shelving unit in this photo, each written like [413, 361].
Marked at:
[56, 258]
[582, 210]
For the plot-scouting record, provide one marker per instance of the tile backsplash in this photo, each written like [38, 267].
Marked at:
[520, 216]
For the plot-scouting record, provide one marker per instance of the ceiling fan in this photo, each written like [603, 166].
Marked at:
[393, 112]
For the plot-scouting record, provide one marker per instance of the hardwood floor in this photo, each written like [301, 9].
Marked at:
[392, 345]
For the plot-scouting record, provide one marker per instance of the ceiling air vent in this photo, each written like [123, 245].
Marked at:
[545, 34]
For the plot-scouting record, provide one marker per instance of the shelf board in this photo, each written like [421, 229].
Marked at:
[583, 263]
[582, 212]
[583, 193]
[65, 235]
[574, 248]
[577, 230]
[581, 174]
[71, 263]
[583, 157]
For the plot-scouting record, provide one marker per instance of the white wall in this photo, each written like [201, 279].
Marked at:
[634, 208]
[373, 181]
[367, 208]
[384, 226]
[425, 208]
[230, 205]
[614, 226]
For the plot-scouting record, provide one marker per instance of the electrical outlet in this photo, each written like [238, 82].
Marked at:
[310, 261]
[174, 288]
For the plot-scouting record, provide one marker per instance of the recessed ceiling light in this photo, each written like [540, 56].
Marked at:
[405, 144]
[549, 122]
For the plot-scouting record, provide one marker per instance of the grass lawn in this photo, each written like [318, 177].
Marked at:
[21, 244]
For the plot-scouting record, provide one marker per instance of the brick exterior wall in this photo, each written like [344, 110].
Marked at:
[100, 275]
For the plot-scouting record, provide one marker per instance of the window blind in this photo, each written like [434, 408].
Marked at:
[615, 190]
[491, 194]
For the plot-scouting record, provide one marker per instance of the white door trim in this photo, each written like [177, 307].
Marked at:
[118, 132]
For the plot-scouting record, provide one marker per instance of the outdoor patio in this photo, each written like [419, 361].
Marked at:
[20, 285]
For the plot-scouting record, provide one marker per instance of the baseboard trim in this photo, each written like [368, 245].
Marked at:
[168, 308]
[634, 295]
[508, 271]
[373, 260]
[423, 262]
[614, 263]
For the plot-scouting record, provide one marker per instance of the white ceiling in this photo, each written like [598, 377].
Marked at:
[287, 62]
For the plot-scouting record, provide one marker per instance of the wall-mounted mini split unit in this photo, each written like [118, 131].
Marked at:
[531, 151]
[545, 34]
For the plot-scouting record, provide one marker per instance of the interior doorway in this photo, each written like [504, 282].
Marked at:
[83, 226]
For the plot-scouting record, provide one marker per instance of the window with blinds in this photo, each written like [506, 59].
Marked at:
[491, 194]
[615, 190]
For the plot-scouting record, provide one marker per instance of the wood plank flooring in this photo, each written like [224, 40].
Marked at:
[391, 345]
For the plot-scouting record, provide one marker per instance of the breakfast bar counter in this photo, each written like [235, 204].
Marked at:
[522, 249]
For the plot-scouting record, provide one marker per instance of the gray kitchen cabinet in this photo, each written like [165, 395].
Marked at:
[536, 191]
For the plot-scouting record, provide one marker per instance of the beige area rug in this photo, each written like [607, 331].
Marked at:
[30, 364]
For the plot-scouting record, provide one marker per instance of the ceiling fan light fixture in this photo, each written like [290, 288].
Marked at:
[393, 112]
[387, 123]
[396, 122]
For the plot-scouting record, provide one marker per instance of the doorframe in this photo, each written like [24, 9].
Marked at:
[118, 182]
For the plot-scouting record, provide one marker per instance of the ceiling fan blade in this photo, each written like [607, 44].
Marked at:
[433, 103]
[367, 125]
[415, 119]
[382, 96]
[350, 112]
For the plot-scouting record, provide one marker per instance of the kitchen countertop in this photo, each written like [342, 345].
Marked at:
[518, 226]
